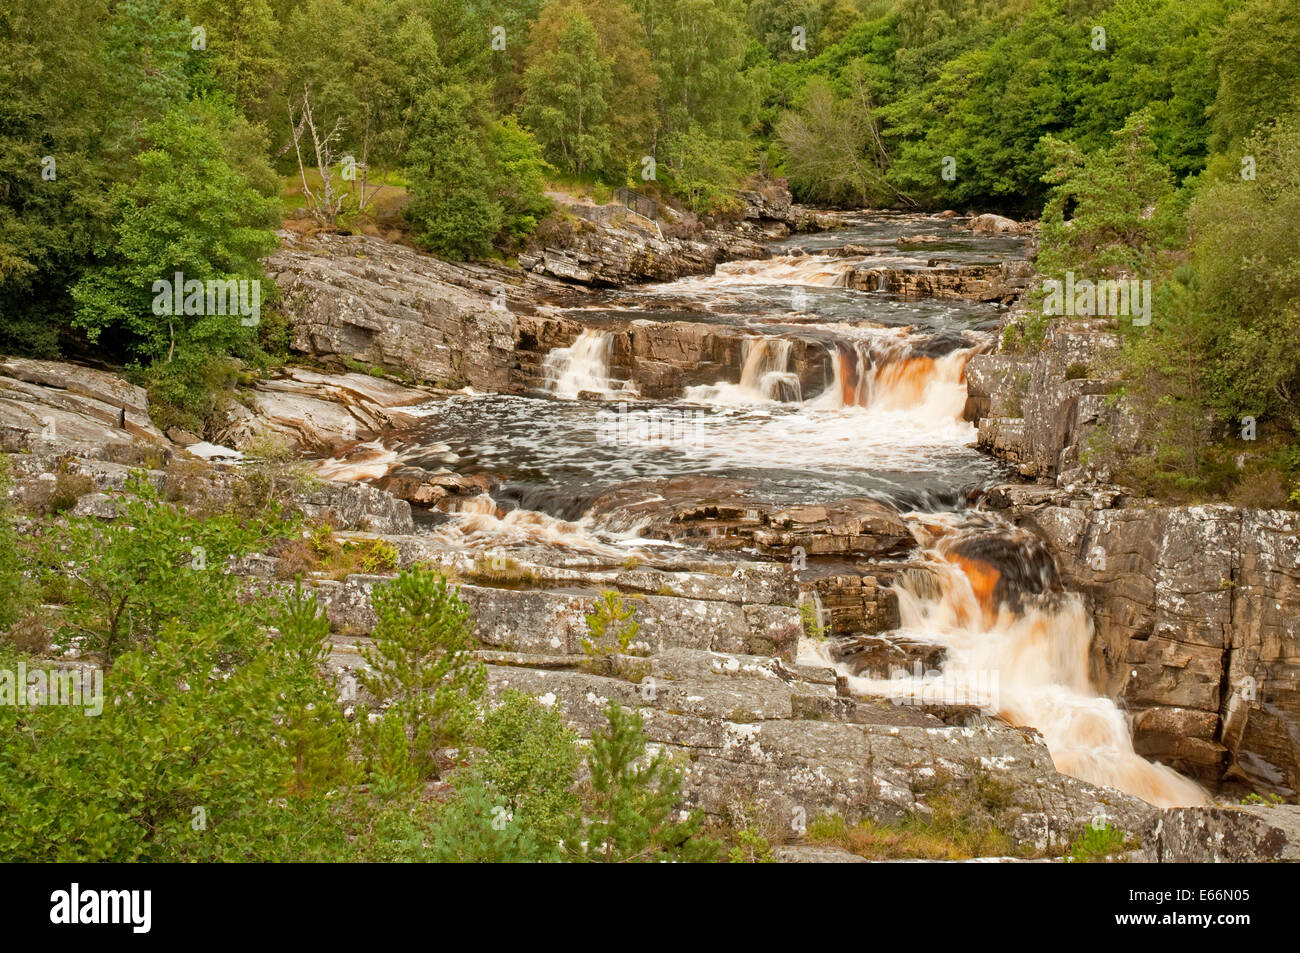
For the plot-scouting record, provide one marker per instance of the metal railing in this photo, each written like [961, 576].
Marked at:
[643, 205]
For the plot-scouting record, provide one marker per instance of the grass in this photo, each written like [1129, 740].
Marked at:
[502, 572]
[320, 552]
[1098, 843]
[961, 825]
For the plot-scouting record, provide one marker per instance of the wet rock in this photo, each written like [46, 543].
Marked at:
[856, 602]
[1195, 611]
[726, 515]
[990, 224]
[1002, 282]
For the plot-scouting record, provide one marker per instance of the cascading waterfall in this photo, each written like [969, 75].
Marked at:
[880, 373]
[582, 366]
[765, 377]
[1030, 662]
[817, 270]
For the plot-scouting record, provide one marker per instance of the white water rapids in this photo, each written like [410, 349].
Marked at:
[891, 406]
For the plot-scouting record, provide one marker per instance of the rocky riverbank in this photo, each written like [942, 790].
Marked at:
[732, 577]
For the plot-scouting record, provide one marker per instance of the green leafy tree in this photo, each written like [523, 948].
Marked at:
[611, 627]
[125, 580]
[629, 92]
[1248, 276]
[519, 177]
[1259, 74]
[421, 663]
[566, 95]
[451, 178]
[629, 816]
[1112, 212]
[529, 762]
[697, 48]
[476, 828]
[159, 774]
[240, 40]
[189, 209]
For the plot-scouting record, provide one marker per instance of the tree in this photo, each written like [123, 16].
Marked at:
[697, 48]
[566, 95]
[628, 817]
[1248, 276]
[630, 91]
[155, 565]
[835, 152]
[421, 662]
[529, 763]
[519, 179]
[1259, 74]
[52, 173]
[188, 759]
[190, 209]
[1110, 213]
[451, 180]
[240, 40]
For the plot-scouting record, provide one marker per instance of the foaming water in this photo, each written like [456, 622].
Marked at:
[818, 270]
[482, 527]
[582, 366]
[1032, 664]
[880, 373]
[765, 377]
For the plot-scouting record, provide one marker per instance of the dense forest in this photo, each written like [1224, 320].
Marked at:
[147, 137]
[1153, 140]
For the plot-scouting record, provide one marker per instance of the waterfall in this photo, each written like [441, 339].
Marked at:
[880, 373]
[765, 377]
[1027, 654]
[817, 270]
[583, 366]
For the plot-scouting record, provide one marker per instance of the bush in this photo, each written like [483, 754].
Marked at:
[529, 762]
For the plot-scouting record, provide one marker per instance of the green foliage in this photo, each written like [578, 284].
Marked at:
[189, 208]
[1098, 842]
[611, 627]
[1109, 213]
[705, 170]
[1259, 75]
[751, 848]
[421, 664]
[567, 91]
[12, 589]
[475, 828]
[1244, 251]
[519, 180]
[529, 762]
[159, 774]
[154, 566]
[629, 815]
[452, 206]
[810, 621]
